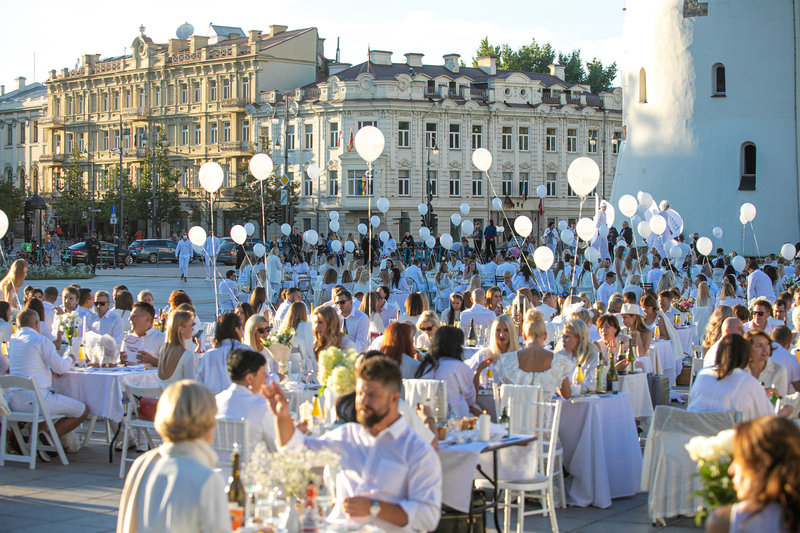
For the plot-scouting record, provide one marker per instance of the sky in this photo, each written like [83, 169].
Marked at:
[54, 34]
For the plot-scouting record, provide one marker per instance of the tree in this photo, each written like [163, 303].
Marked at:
[573, 71]
[72, 201]
[485, 49]
[600, 78]
[168, 204]
[12, 201]
[532, 57]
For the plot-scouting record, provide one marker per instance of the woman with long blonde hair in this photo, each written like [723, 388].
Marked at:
[576, 345]
[503, 337]
[256, 329]
[13, 282]
[713, 331]
[297, 319]
[175, 361]
[327, 330]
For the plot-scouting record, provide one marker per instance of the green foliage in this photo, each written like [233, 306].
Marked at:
[600, 78]
[36, 272]
[717, 488]
[573, 73]
[72, 199]
[167, 198]
[12, 200]
[485, 49]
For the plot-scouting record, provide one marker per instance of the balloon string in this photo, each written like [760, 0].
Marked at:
[758, 252]
[577, 242]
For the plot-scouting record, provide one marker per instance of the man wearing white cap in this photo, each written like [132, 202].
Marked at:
[600, 242]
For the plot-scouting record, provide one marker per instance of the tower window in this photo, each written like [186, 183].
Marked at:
[747, 181]
[642, 86]
[718, 79]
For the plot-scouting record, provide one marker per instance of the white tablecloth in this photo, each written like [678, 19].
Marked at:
[101, 389]
[601, 450]
[635, 385]
[664, 362]
[688, 336]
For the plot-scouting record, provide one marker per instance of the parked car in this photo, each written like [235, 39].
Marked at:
[227, 251]
[76, 254]
[153, 250]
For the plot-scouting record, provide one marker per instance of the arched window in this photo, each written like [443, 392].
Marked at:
[642, 86]
[718, 80]
[747, 181]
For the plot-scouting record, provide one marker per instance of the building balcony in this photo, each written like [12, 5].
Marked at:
[551, 100]
[478, 94]
[234, 103]
[51, 158]
[141, 111]
[310, 93]
[51, 121]
[235, 146]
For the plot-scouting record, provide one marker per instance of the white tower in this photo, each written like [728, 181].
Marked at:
[710, 114]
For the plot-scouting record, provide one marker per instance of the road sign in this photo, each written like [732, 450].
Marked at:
[113, 219]
[284, 180]
[113, 210]
[284, 197]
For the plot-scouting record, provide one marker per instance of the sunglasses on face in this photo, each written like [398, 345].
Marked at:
[759, 313]
[426, 328]
[100, 303]
[262, 330]
[340, 303]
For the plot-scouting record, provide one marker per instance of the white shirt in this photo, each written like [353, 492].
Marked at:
[184, 249]
[212, 371]
[501, 269]
[357, 328]
[739, 391]
[457, 376]
[482, 317]
[396, 466]
[32, 355]
[389, 247]
[789, 362]
[229, 292]
[211, 246]
[389, 312]
[151, 342]
[774, 376]
[653, 276]
[605, 291]
[547, 312]
[751, 324]
[6, 330]
[759, 285]
[49, 314]
[415, 273]
[710, 358]
[185, 369]
[110, 324]
[237, 402]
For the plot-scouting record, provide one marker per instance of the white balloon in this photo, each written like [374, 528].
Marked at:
[313, 171]
[482, 159]
[424, 233]
[210, 176]
[644, 229]
[562, 225]
[311, 237]
[430, 242]
[362, 229]
[748, 211]
[567, 237]
[249, 228]
[645, 199]
[383, 236]
[543, 258]
[349, 247]
[743, 219]
[704, 245]
[675, 252]
[369, 143]
[467, 227]
[446, 241]
[334, 215]
[238, 234]
[197, 235]
[602, 231]
[523, 225]
[261, 166]
[383, 205]
[334, 225]
[586, 229]
[500, 229]
[259, 249]
[336, 246]
[738, 263]
[717, 232]
[286, 229]
[541, 191]
[628, 205]
[455, 219]
[658, 224]
[788, 251]
[497, 204]
[423, 209]
[464, 208]
[591, 254]
[375, 220]
[583, 175]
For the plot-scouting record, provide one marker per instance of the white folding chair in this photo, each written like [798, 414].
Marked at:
[228, 432]
[697, 364]
[547, 416]
[34, 418]
[304, 284]
[131, 420]
[430, 392]
[102, 432]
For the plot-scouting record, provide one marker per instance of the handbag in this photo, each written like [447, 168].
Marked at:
[147, 409]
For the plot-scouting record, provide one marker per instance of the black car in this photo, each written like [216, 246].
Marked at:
[76, 254]
[227, 250]
[153, 250]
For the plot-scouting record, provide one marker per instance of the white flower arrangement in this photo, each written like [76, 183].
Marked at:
[336, 370]
[713, 456]
[716, 448]
[69, 323]
[289, 468]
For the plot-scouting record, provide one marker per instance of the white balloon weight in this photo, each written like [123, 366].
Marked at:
[675, 252]
[334, 215]
[383, 236]
[541, 191]
[567, 237]
[562, 225]
[197, 235]
[249, 228]
[422, 209]
[543, 258]
[259, 249]
[602, 231]
[464, 208]
[362, 229]
[583, 175]
[286, 229]
[383, 205]
[658, 224]
[369, 143]
[467, 227]
[430, 242]
[788, 251]
[645, 199]
[313, 171]
[738, 263]
[312, 237]
[586, 229]
[643, 228]
[349, 247]
[482, 159]
[261, 166]
[628, 205]
[704, 245]
[424, 233]
[717, 232]
[747, 211]
[455, 219]
[210, 176]
[446, 241]
[375, 220]
[523, 225]
[334, 225]
[591, 254]
[238, 234]
[497, 204]
[336, 246]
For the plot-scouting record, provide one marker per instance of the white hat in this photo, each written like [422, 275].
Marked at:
[603, 203]
[631, 309]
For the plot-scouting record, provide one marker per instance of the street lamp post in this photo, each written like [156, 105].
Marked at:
[429, 184]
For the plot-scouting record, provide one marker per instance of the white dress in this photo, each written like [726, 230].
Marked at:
[185, 369]
[458, 379]
[549, 381]
[738, 391]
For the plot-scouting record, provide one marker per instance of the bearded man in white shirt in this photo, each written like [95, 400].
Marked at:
[144, 341]
[389, 475]
[107, 323]
[478, 312]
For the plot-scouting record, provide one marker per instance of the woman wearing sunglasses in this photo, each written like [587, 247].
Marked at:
[256, 329]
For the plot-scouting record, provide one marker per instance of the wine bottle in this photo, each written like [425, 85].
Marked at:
[472, 340]
[235, 488]
[632, 359]
[310, 512]
[344, 328]
[505, 421]
[621, 357]
[600, 377]
[580, 377]
[489, 378]
[611, 375]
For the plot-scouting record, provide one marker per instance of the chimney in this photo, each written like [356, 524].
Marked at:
[275, 29]
[451, 62]
[253, 36]
[558, 71]
[414, 59]
[380, 57]
[197, 41]
[177, 45]
[488, 64]
[20, 82]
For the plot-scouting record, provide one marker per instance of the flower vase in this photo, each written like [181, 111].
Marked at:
[280, 352]
[292, 522]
